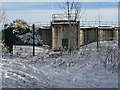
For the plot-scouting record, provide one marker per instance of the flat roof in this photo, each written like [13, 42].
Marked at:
[87, 27]
[105, 27]
[45, 27]
[99, 27]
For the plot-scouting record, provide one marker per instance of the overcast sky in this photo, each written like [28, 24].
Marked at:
[41, 12]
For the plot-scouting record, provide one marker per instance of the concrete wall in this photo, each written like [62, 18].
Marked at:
[89, 34]
[46, 35]
[76, 35]
[116, 34]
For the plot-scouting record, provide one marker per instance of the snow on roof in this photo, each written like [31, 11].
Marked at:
[84, 27]
[99, 27]
[45, 27]
[105, 27]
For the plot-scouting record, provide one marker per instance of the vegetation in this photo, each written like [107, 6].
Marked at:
[20, 27]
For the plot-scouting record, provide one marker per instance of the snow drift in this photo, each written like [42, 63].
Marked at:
[86, 68]
[28, 39]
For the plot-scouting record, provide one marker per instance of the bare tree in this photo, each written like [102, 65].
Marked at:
[98, 31]
[73, 10]
[2, 17]
[2, 24]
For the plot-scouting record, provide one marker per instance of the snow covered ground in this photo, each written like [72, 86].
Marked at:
[85, 68]
[0, 66]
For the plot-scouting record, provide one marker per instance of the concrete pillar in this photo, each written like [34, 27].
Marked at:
[101, 35]
[78, 32]
[81, 40]
[116, 34]
[53, 38]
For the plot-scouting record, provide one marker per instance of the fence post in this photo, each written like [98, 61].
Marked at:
[97, 38]
[119, 43]
[33, 40]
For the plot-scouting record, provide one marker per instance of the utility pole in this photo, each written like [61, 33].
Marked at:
[119, 27]
[70, 36]
[98, 32]
[33, 39]
[97, 39]
[119, 42]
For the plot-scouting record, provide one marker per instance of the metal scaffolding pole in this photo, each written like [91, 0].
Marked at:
[97, 39]
[33, 39]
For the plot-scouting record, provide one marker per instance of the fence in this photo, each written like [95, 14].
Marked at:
[85, 36]
[9, 40]
[84, 23]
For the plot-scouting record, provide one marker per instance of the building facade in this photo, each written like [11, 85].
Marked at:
[64, 34]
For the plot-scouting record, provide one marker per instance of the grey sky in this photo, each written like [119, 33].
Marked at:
[41, 12]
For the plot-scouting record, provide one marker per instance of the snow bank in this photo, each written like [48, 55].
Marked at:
[0, 65]
[28, 38]
[83, 69]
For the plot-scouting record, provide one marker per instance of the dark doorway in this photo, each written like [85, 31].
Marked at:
[65, 43]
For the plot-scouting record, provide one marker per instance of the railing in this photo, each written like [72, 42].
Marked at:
[84, 23]
[62, 17]
[98, 23]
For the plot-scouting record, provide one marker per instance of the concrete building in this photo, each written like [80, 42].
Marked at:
[106, 33]
[88, 34]
[65, 34]
[46, 35]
